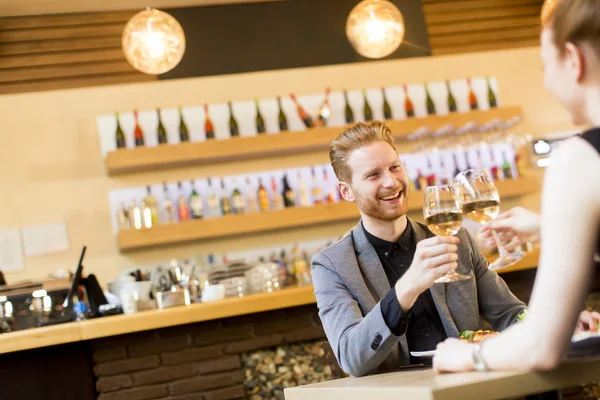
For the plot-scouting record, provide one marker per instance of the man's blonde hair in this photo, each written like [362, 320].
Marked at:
[354, 137]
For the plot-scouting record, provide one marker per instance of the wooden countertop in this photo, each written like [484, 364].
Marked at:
[155, 319]
[425, 384]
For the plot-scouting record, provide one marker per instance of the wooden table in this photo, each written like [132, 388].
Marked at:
[425, 384]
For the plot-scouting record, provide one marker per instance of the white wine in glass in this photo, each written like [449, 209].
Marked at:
[444, 218]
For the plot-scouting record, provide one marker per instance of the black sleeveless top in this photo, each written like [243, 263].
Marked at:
[592, 136]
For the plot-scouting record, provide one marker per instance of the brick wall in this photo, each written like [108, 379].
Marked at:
[195, 361]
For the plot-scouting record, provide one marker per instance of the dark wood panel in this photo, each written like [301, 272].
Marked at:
[505, 23]
[63, 71]
[487, 45]
[465, 17]
[437, 7]
[489, 36]
[48, 46]
[33, 60]
[43, 21]
[69, 32]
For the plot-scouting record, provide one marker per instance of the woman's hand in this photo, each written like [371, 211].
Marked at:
[453, 355]
[588, 321]
[514, 227]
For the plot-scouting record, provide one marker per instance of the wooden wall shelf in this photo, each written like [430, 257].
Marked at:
[232, 225]
[244, 148]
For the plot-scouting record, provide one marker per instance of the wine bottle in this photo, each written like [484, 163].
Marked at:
[168, 211]
[456, 166]
[135, 215]
[196, 205]
[119, 135]
[317, 193]
[303, 195]
[152, 205]
[263, 196]
[472, 98]
[183, 210]
[324, 110]
[451, 100]
[283, 124]
[146, 215]
[429, 101]
[367, 111]
[348, 113]
[276, 197]
[387, 110]
[252, 199]
[238, 205]
[160, 130]
[330, 198]
[209, 129]
[225, 204]
[212, 201]
[123, 217]
[495, 171]
[408, 105]
[234, 129]
[184, 135]
[308, 122]
[138, 134]
[432, 178]
[289, 198]
[260, 121]
[491, 95]
[506, 168]
[421, 181]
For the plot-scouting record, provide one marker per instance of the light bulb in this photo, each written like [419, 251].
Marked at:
[375, 28]
[153, 42]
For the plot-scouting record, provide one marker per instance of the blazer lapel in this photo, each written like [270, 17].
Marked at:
[369, 264]
[437, 290]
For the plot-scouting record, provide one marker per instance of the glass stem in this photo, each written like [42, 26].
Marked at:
[501, 250]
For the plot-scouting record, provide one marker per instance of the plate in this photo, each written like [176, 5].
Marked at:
[579, 336]
[429, 353]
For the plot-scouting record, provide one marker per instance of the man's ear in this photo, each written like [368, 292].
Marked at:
[346, 192]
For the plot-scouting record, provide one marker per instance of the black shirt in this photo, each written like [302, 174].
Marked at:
[422, 324]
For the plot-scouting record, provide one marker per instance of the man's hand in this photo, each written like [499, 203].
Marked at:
[433, 258]
[514, 227]
[588, 321]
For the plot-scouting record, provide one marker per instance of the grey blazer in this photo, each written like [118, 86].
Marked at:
[349, 282]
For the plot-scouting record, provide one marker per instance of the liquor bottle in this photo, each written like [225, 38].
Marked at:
[260, 121]
[301, 269]
[330, 198]
[432, 178]
[451, 100]
[421, 181]
[225, 203]
[408, 105]
[348, 113]
[234, 129]
[308, 122]
[196, 205]
[252, 199]
[289, 198]
[387, 110]
[183, 210]
[146, 215]
[456, 166]
[135, 215]
[123, 217]
[263, 196]
[238, 205]
[367, 111]
[317, 193]
[119, 135]
[212, 201]
[491, 96]
[168, 210]
[303, 195]
[289, 268]
[283, 124]
[472, 98]
[160, 130]
[495, 171]
[429, 101]
[324, 110]
[276, 197]
[506, 168]
[138, 134]
[152, 204]
[184, 135]
[209, 130]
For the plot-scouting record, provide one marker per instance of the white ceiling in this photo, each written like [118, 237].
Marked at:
[11, 8]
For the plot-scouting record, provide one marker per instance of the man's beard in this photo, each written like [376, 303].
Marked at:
[374, 209]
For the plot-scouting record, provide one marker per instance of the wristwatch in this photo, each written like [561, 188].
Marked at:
[478, 359]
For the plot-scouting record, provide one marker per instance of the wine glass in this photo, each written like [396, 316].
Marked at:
[444, 218]
[480, 202]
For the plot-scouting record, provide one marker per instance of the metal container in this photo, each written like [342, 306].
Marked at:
[173, 298]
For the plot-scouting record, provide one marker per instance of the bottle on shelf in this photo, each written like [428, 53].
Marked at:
[209, 129]
[263, 196]
[491, 96]
[421, 181]
[506, 167]
[317, 193]
[146, 215]
[260, 121]
[238, 205]
[183, 209]
[253, 206]
[184, 135]
[303, 195]
[289, 268]
[429, 101]
[451, 100]
[308, 121]
[456, 166]
[472, 98]
[348, 113]
[387, 110]
[409, 108]
[301, 268]
[495, 171]
[152, 204]
[138, 134]
[367, 111]
[168, 210]
[212, 201]
[119, 135]
[432, 178]
[276, 197]
[135, 215]
[123, 217]
[225, 203]
[161, 133]
[324, 110]
[234, 129]
[330, 198]
[289, 198]
[196, 204]
[283, 124]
